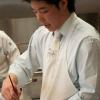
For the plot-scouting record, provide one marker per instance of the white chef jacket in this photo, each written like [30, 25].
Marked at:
[8, 53]
[79, 55]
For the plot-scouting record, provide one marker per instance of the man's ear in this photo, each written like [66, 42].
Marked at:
[63, 4]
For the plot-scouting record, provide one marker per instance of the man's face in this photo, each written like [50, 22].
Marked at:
[49, 15]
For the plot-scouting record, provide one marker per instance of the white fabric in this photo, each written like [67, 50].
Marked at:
[8, 53]
[78, 56]
[52, 88]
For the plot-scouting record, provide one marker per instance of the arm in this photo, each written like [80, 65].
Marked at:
[23, 68]
[88, 65]
[27, 63]
[21, 71]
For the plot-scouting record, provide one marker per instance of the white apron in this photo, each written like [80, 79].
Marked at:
[56, 84]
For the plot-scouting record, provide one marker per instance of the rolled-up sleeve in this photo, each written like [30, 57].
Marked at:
[26, 64]
[21, 70]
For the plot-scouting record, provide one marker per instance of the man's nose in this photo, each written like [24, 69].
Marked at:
[40, 17]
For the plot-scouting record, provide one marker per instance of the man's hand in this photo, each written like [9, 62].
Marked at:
[8, 91]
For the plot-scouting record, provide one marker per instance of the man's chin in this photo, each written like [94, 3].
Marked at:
[50, 28]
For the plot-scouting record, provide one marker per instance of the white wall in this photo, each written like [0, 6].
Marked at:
[19, 29]
[22, 30]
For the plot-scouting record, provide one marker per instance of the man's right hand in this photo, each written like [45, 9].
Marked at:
[8, 91]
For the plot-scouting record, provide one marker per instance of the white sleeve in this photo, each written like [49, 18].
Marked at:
[13, 50]
[26, 64]
[88, 64]
[22, 68]
[10, 48]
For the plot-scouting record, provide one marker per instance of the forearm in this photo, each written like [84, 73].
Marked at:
[22, 74]
[13, 77]
[10, 89]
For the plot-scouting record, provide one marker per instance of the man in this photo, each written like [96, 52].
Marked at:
[68, 51]
[8, 53]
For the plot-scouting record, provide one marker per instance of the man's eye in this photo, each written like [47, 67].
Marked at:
[43, 10]
[40, 11]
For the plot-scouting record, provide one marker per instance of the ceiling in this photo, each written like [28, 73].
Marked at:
[18, 8]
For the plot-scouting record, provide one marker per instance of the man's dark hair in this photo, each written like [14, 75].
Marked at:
[71, 3]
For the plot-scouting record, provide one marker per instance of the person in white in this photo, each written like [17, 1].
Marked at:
[68, 51]
[8, 53]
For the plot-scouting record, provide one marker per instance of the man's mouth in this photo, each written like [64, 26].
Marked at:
[47, 25]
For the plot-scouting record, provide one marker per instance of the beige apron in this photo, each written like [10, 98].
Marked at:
[56, 84]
